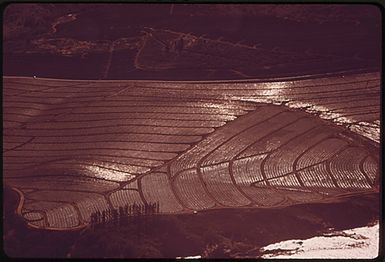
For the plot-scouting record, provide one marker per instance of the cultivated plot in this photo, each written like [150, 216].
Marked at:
[71, 148]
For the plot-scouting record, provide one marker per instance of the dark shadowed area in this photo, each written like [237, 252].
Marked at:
[114, 41]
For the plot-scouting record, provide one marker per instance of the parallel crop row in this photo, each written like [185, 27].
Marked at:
[76, 148]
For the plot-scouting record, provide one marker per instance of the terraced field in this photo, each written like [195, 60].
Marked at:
[73, 147]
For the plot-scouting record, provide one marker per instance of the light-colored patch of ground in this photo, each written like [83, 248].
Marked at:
[356, 243]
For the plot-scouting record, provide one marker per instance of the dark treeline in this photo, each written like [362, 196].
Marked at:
[123, 214]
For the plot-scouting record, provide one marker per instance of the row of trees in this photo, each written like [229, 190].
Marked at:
[123, 214]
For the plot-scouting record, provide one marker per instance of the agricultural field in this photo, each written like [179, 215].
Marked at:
[74, 147]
